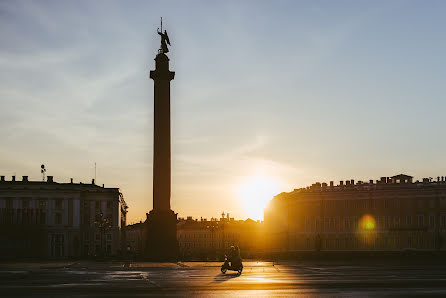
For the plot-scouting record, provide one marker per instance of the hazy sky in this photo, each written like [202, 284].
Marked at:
[295, 91]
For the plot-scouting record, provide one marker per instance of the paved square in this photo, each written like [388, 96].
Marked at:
[204, 279]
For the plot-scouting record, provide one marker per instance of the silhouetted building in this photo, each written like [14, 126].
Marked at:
[135, 239]
[390, 214]
[50, 219]
[211, 239]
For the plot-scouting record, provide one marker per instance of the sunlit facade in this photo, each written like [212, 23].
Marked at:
[390, 214]
[210, 239]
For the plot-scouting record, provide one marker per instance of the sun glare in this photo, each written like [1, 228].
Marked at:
[255, 193]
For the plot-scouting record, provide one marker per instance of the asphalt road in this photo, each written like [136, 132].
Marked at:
[259, 279]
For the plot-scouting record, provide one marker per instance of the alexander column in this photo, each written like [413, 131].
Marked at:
[162, 244]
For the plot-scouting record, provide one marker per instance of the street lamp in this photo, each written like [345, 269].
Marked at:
[212, 228]
[103, 224]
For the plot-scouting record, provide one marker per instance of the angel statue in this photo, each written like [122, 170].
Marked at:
[164, 41]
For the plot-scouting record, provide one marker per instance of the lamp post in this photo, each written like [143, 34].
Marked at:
[103, 224]
[212, 228]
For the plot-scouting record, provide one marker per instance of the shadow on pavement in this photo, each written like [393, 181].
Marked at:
[224, 277]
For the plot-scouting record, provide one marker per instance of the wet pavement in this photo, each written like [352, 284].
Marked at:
[204, 279]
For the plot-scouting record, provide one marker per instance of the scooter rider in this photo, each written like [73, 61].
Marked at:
[234, 257]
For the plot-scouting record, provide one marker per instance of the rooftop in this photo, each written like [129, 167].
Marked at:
[25, 183]
[397, 181]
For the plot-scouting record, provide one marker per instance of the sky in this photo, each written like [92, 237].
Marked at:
[276, 93]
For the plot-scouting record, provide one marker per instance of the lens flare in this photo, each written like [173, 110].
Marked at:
[367, 223]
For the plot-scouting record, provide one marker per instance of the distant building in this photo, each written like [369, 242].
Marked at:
[49, 219]
[203, 239]
[134, 239]
[391, 214]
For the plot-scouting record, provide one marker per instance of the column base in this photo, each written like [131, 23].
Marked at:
[161, 232]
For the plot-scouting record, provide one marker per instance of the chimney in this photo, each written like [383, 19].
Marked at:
[331, 183]
[352, 182]
[438, 179]
[49, 179]
[371, 181]
[383, 179]
[102, 185]
[25, 178]
[347, 182]
[71, 180]
[341, 183]
[92, 181]
[2, 178]
[13, 178]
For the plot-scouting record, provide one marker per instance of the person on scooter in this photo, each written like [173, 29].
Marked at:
[234, 257]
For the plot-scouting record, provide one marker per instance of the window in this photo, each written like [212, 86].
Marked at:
[307, 223]
[356, 204]
[42, 204]
[58, 204]
[409, 220]
[396, 221]
[443, 221]
[109, 204]
[366, 204]
[58, 219]
[109, 237]
[338, 204]
[25, 204]
[374, 204]
[431, 203]
[9, 204]
[336, 223]
[97, 236]
[420, 204]
[420, 220]
[432, 221]
[42, 219]
[97, 204]
[397, 203]
[386, 203]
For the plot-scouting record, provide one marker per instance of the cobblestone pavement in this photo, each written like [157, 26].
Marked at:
[204, 279]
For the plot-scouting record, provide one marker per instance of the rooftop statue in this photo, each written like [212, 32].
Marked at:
[164, 39]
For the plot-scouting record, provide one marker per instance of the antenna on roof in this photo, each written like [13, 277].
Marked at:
[95, 171]
[43, 171]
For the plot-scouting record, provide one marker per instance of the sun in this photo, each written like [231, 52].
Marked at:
[255, 193]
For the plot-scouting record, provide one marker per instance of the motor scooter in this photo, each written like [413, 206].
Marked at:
[226, 266]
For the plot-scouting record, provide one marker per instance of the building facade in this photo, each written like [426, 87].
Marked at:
[390, 214]
[211, 239]
[56, 220]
